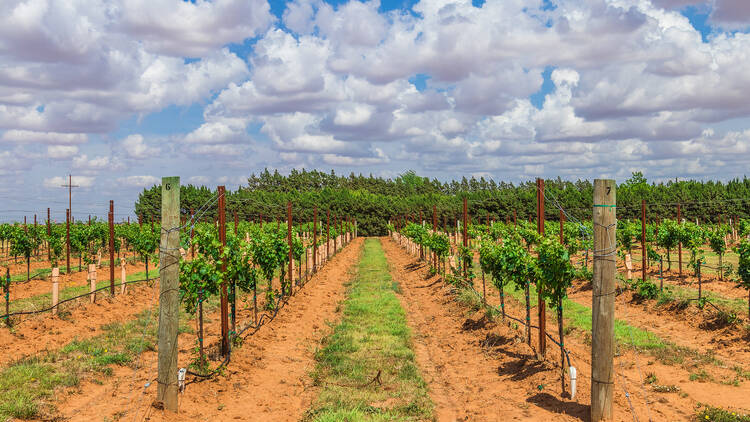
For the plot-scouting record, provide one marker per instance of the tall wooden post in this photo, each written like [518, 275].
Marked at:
[679, 244]
[289, 241]
[603, 300]
[112, 247]
[67, 241]
[315, 239]
[224, 282]
[169, 295]
[643, 239]
[541, 305]
[328, 234]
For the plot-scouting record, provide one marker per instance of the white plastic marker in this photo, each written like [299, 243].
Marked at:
[572, 382]
[181, 379]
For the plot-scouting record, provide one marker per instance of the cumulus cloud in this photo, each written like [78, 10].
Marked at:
[94, 164]
[58, 181]
[138, 181]
[446, 86]
[193, 29]
[26, 136]
[61, 151]
[136, 147]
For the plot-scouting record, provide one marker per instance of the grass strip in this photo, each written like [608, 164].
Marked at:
[578, 316]
[372, 338]
[27, 387]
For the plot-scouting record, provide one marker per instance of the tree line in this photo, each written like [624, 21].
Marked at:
[372, 201]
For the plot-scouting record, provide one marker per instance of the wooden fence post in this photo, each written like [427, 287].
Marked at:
[92, 280]
[603, 300]
[169, 296]
[55, 289]
[122, 277]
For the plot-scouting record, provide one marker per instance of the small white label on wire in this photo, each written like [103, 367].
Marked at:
[181, 378]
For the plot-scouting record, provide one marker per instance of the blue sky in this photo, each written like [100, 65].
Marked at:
[214, 91]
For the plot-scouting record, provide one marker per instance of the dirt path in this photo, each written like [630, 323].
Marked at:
[475, 362]
[267, 379]
[690, 327]
[467, 380]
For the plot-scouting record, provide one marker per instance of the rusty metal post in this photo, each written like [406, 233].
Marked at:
[224, 293]
[541, 305]
[679, 245]
[315, 239]
[112, 247]
[289, 240]
[643, 239]
[67, 241]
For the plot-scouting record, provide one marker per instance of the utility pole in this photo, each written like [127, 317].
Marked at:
[70, 187]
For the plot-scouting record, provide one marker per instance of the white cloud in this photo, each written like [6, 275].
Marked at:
[26, 136]
[193, 29]
[136, 147]
[138, 181]
[337, 86]
[58, 181]
[61, 151]
[82, 162]
[198, 180]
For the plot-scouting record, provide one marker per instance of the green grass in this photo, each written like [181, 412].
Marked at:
[26, 386]
[44, 300]
[372, 337]
[626, 336]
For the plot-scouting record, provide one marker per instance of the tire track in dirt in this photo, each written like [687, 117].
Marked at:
[267, 379]
[469, 382]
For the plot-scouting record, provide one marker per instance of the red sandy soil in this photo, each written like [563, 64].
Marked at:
[23, 289]
[34, 334]
[267, 379]
[480, 370]
[690, 327]
[709, 280]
